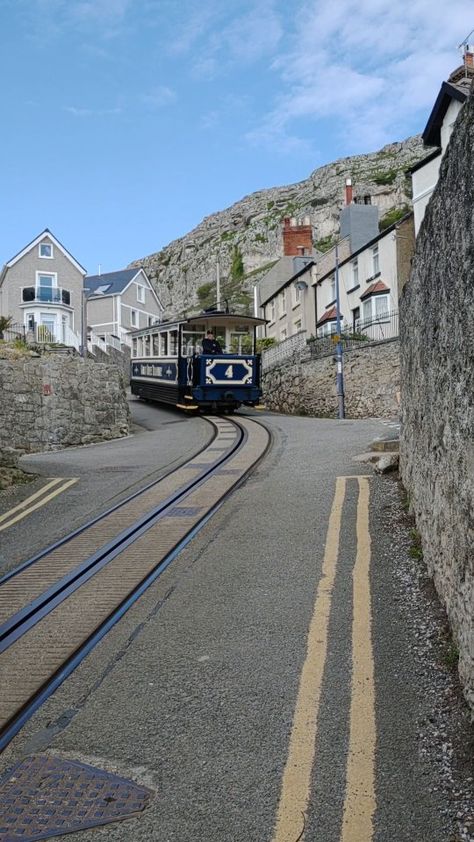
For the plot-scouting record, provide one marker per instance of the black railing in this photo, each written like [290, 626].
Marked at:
[46, 295]
[378, 329]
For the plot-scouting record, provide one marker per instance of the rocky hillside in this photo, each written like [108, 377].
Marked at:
[247, 237]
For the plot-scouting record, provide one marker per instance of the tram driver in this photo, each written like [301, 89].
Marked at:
[210, 345]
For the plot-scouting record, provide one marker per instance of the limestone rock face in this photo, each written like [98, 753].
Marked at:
[254, 225]
[437, 388]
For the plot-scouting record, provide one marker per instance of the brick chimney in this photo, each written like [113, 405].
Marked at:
[348, 191]
[297, 237]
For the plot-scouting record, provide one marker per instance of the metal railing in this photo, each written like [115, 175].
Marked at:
[49, 334]
[12, 332]
[377, 329]
[46, 295]
[285, 349]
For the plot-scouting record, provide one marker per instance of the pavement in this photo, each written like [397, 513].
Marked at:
[284, 678]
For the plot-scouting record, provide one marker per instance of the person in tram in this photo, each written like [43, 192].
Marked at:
[210, 345]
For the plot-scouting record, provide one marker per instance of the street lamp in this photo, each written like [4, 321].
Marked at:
[84, 321]
[339, 349]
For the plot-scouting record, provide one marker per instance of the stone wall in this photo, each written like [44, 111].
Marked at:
[52, 402]
[303, 386]
[437, 388]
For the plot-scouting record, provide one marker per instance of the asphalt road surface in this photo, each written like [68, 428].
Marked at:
[284, 678]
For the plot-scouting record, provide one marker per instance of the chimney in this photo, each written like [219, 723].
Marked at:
[348, 191]
[297, 237]
[468, 56]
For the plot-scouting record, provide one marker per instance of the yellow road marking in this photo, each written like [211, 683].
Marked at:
[295, 789]
[30, 498]
[359, 805]
[38, 505]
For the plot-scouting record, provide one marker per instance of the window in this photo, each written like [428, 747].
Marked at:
[46, 250]
[272, 310]
[376, 308]
[297, 325]
[355, 272]
[150, 321]
[134, 318]
[375, 260]
[332, 288]
[283, 333]
[327, 328]
[140, 294]
[45, 286]
[296, 294]
[283, 303]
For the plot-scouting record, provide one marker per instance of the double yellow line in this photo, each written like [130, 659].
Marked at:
[29, 505]
[359, 804]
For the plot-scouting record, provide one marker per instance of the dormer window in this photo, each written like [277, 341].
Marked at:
[46, 250]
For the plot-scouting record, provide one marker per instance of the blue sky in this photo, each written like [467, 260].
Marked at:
[128, 121]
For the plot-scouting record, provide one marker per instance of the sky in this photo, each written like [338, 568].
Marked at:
[126, 122]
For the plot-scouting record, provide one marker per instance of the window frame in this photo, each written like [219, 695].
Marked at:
[140, 292]
[46, 256]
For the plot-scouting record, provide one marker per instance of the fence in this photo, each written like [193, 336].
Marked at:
[12, 332]
[284, 349]
[378, 329]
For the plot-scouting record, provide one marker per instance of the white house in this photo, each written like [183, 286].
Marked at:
[370, 282]
[450, 100]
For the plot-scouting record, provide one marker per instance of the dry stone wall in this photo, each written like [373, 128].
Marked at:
[437, 388]
[49, 403]
[302, 386]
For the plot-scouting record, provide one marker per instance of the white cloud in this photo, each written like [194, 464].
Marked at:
[369, 66]
[91, 112]
[159, 96]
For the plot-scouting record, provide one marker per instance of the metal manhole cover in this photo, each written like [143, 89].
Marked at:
[46, 796]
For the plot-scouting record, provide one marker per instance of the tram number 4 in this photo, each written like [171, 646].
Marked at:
[229, 372]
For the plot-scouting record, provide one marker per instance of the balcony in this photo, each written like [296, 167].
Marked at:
[46, 295]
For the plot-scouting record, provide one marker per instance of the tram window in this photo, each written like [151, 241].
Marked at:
[173, 343]
[163, 344]
[134, 347]
[156, 344]
[147, 346]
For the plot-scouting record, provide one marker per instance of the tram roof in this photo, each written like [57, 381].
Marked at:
[214, 318]
[221, 318]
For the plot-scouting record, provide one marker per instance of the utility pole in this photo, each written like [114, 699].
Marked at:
[218, 283]
[339, 360]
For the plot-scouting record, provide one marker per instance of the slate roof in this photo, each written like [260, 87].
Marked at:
[110, 283]
[379, 286]
[457, 87]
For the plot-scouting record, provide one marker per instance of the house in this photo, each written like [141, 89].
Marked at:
[119, 302]
[370, 281]
[280, 292]
[437, 132]
[41, 289]
[287, 292]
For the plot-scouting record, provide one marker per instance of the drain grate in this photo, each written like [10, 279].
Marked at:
[46, 796]
[184, 511]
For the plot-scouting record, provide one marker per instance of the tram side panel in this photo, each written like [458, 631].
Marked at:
[157, 380]
[226, 380]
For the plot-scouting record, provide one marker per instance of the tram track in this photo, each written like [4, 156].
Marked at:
[56, 606]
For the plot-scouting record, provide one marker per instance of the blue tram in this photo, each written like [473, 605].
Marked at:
[168, 364]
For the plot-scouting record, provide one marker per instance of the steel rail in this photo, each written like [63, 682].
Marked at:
[21, 621]
[16, 722]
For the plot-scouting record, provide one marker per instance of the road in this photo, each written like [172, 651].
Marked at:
[284, 678]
